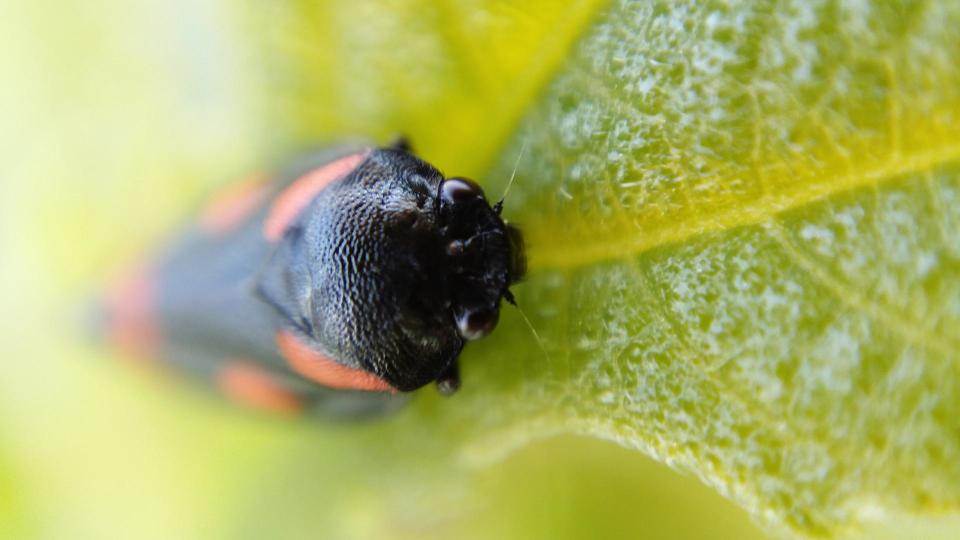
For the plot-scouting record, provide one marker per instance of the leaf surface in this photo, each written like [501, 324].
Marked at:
[743, 223]
[743, 229]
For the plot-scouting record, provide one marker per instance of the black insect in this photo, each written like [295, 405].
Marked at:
[356, 270]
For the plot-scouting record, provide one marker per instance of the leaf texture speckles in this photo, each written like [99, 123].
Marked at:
[717, 116]
[758, 218]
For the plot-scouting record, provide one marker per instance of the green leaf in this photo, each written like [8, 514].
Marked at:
[743, 226]
[742, 221]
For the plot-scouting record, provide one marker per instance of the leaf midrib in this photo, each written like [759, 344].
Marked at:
[562, 256]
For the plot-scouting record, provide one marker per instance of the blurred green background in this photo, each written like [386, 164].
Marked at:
[743, 224]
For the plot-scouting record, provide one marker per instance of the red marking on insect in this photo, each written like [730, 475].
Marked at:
[291, 201]
[318, 368]
[250, 385]
[129, 321]
[227, 211]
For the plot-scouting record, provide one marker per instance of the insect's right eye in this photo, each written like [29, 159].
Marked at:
[456, 190]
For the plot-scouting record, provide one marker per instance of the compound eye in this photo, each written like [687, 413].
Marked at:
[455, 190]
[475, 323]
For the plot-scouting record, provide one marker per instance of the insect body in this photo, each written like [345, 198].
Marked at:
[357, 275]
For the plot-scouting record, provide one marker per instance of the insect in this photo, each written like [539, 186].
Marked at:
[357, 275]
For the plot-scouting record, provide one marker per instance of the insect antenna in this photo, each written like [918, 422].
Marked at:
[499, 206]
[536, 335]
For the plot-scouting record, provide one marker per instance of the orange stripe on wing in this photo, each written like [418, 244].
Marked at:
[244, 382]
[318, 368]
[130, 325]
[227, 211]
[291, 201]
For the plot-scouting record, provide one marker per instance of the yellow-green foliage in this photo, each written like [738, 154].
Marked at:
[743, 222]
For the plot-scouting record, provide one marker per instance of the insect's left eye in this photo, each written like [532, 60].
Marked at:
[455, 190]
[475, 323]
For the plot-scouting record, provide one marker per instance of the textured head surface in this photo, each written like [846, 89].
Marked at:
[394, 267]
